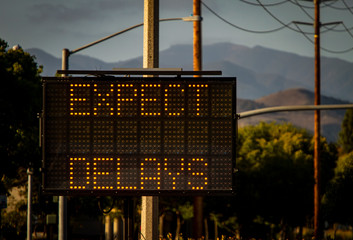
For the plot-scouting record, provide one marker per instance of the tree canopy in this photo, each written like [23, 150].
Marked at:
[346, 134]
[275, 163]
[339, 197]
[20, 101]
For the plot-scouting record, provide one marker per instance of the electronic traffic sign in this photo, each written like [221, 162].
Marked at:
[138, 136]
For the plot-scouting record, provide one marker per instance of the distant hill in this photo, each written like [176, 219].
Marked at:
[331, 120]
[265, 77]
[51, 64]
[260, 71]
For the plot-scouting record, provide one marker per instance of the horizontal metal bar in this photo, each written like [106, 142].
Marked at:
[138, 71]
[149, 69]
[303, 23]
[195, 18]
[331, 23]
[292, 108]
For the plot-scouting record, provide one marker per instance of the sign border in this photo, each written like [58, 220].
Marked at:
[140, 80]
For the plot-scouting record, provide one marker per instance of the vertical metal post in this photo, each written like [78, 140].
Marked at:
[65, 59]
[151, 34]
[197, 55]
[29, 204]
[116, 228]
[62, 231]
[149, 218]
[108, 228]
[317, 225]
[128, 219]
[149, 212]
[62, 218]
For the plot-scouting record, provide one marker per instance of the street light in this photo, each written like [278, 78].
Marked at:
[66, 53]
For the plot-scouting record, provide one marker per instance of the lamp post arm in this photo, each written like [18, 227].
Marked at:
[105, 38]
[123, 31]
[291, 108]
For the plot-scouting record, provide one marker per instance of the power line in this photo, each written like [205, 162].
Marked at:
[338, 8]
[347, 30]
[349, 8]
[241, 28]
[277, 19]
[325, 4]
[267, 5]
[284, 25]
[322, 48]
[308, 15]
[305, 33]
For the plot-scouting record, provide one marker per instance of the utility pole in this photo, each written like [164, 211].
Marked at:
[318, 231]
[149, 211]
[197, 61]
[317, 224]
[197, 37]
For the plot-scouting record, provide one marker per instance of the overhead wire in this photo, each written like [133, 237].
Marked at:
[347, 30]
[278, 20]
[347, 7]
[322, 48]
[331, 5]
[241, 28]
[267, 5]
[284, 25]
[328, 29]
[306, 33]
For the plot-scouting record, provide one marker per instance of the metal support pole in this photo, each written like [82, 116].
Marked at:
[116, 230]
[108, 228]
[149, 211]
[62, 228]
[62, 217]
[149, 218]
[65, 59]
[317, 198]
[128, 219]
[151, 34]
[29, 204]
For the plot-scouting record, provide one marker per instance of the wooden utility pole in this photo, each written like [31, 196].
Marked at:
[197, 37]
[317, 199]
[198, 200]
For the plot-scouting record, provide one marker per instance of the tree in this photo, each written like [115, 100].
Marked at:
[20, 101]
[275, 163]
[339, 196]
[346, 134]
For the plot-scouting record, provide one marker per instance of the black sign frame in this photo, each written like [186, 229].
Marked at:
[82, 141]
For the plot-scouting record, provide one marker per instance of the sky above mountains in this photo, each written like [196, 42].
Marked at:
[57, 24]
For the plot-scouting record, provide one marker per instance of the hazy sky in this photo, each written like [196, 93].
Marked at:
[56, 24]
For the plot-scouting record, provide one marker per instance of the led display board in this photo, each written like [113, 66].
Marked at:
[138, 136]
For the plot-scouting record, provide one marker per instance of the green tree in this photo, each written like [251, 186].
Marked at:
[339, 196]
[346, 134]
[20, 101]
[275, 165]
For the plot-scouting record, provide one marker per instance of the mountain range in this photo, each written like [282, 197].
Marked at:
[265, 78]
